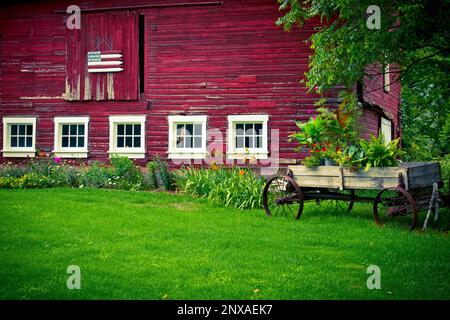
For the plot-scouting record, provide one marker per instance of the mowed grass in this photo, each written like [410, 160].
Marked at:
[144, 245]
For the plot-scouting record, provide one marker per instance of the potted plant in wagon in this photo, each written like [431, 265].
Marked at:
[326, 135]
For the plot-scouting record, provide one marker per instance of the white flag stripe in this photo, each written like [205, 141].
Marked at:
[106, 70]
[111, 56]
[105, 63]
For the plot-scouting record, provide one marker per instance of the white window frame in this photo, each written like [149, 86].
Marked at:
[386, 79]
[186, 153]
[249, 153]
[18, 152]
[133, 153]
[67, 152]
[386, 129]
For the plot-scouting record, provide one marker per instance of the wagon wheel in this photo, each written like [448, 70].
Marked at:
[344, 206]
[397, 205]
[283, 197]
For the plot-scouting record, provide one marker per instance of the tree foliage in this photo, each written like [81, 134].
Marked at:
[414, 36]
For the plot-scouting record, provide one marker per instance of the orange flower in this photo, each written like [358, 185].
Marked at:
[241, 172]
[214, 166]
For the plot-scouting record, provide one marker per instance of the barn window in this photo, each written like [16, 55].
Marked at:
[19, 137]
[247, 136]
[386, 129]
[71, 137]
[386, 79]
[187, 137]
[103, 57]
[127, 136]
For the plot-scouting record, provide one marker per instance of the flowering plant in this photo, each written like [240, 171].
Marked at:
[327, 134]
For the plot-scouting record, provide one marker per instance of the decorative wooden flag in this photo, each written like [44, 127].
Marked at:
[104, 61]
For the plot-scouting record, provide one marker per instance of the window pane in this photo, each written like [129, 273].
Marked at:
[73, 129]
[249, 129]
[81, 129]
[120, 142]
[14, 142]
[258, 128]
[180, 142]
[188, 142]
[22, 130]
[80, 142]
[73, 142]
[248, 142]
[14, 130]
[129, 142]
[198, 129]
[180, 129]
[120, 129]
[29, 130]
[258, 142]
[189, 129]
[239, 142]
[65, 142]
[65, 130]
[197, 142]
[29, 142]
[239, 129]
[137, 129]
[129, 129]
[137, 142]
[22, 140]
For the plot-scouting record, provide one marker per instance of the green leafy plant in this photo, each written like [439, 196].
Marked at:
[125, 174]
[328, 133]
[351, 157]
[228, 187]
[378, 153]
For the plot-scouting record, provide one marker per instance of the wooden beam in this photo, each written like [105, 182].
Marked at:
[148, 6]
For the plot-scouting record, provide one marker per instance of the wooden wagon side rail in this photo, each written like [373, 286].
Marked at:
[410, 175]
[336, 177]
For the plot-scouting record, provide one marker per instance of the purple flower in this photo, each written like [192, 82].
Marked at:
[309, 111]
[57, 159]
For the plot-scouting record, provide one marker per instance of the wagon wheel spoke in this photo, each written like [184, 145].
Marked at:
[396, 206]
[341, 205]
[282, 197]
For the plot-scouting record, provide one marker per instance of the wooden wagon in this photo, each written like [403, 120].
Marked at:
[397, 192]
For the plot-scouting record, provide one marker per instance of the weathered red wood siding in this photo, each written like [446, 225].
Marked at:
[214, 60]
[375, 94]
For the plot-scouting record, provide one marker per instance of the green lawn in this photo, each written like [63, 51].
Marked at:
[142, 245]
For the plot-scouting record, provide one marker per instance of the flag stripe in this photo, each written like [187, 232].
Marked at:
[105, 70]
[105, 63]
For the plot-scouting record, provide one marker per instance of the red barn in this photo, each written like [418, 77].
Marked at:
[188, 80]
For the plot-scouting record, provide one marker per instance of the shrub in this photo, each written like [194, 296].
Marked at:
[34, 180]
[10, 170]
[9, 183]
[445, 170]
[95, 176]
[238, 188]
[27, 181]
[125, 175]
